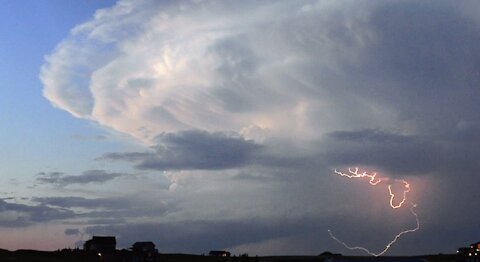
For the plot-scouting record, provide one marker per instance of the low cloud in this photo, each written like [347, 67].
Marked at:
[102, 210]
[395, 153]
[193, 150]
[92, 203]
[87, 177]
[80, 211]
[72, 231]
[403, 155]
[19, 215]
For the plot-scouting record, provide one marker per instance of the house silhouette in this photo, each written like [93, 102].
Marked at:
[219, 253]
[100, 244]
[144, 247]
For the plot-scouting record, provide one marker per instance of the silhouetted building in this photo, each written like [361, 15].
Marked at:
[219, 253]
[330, 254]
[464, 251]
[100, 244]
[471, 253]
[475, 246]
[144, 252]
[144, 247]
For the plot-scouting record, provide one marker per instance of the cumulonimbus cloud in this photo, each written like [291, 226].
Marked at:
[390, 84]
[145, 68]
[294, 70]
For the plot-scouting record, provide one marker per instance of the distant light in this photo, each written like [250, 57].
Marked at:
[469, 254]
[99, 254]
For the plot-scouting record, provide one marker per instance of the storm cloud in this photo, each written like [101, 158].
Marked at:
[257, 102]
[193, 149]
[311, 70]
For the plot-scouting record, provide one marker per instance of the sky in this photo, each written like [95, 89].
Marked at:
[209, 125]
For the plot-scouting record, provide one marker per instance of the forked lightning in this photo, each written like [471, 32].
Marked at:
[374, 180]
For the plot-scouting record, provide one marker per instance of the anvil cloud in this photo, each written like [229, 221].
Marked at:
[274, 72]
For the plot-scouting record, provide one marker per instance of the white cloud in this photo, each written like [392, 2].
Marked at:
[147, 68]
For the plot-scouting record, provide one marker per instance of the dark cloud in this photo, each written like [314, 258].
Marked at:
[399, 154]
[102, 210]
[92, 203]
[403, 154]
[52, 177]
[79, 211]
[72, 231]
[422, 63]
[95, 211]
[106, 221]
[18, 215]
[416, 39]
[90, 176]
[193, 149]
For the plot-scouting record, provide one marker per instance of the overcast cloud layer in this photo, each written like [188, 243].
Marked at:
[271, 96]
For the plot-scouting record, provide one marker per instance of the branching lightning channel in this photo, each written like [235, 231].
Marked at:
[375, 180]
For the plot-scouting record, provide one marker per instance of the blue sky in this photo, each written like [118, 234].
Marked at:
[36, 136]
[184, 121]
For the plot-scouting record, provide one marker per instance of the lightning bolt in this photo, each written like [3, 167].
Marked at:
[354, 174]
[392, 196]
[374, 180]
